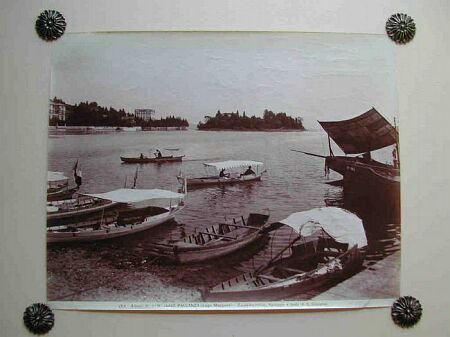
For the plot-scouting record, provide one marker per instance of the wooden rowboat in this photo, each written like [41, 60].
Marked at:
[63, 193]
[62, 209]
[144, 160]
[217, 181]
[58, 184]
[326, 250]
[103, 230]
[213, 242]
[141, 212]
[229, 178]
[290, 277]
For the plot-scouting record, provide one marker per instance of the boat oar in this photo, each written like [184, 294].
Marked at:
[289, 245]
[309, 153]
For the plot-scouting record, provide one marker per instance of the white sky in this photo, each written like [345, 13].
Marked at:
[316, 76]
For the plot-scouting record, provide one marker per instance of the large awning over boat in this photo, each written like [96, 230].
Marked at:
[131, 196]
[340, 224]
[53, 176]
[229, 164]
[364, 133]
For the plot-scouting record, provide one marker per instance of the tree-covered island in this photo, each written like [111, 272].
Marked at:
[238, 122]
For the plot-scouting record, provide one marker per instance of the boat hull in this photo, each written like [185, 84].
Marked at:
[109, 232]
[145, 160]
[194, 255]
[376, 184]
[217, 181]
[78, 212]
[193, 249]
[62, 194]
[285, 288]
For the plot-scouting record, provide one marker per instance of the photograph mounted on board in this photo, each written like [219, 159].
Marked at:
[223, 171]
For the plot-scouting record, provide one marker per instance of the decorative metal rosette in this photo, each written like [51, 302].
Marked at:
[38, 318]
[401, 28]
[406, 311]
[50, 25]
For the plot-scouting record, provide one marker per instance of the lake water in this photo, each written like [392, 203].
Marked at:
[122, 269]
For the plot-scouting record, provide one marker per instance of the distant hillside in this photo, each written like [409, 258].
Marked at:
[235, 121]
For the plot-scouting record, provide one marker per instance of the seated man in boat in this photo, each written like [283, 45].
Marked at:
[141, 156]
[248, 172]
[222, 174]
[158, 154]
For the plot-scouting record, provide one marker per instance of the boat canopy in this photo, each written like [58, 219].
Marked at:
[229, 164]
[364, 133]
[342, 225]
[53, 176]
[131, 196]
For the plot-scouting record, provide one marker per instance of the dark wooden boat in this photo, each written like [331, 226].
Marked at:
[144, 159]
[362, 175]
[213, 242]
[290, 277]
[306, 263]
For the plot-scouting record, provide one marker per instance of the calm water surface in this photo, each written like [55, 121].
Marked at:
[293, 182]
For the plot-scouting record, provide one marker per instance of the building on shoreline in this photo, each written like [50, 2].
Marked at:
[144, 114]
[57, 110]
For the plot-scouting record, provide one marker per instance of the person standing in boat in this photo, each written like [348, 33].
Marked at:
[248, 172]
[141, 156]
[77, 175]
[158, 153]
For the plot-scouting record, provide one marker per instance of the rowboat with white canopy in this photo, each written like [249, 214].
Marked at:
[213, 242]
[249, 171]
[153, 201]
[326, 249]
[58, 186]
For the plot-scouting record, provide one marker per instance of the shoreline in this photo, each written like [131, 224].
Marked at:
[256, 130]
[109, 129]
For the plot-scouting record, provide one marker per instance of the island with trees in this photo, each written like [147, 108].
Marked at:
[235, 121]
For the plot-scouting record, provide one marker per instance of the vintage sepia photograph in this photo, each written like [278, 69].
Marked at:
[223, 167]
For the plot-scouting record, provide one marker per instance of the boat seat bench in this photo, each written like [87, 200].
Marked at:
[218, 235]
[270, 278]
[297, 271]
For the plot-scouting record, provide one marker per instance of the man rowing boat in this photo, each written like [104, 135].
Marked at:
[248, 172]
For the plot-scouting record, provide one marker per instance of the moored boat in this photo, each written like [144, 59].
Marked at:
[327, 249]
[145, 159]
[82, 205]
[58, 186]
[213, 242]
[123, 225]
[221, 178]
[361, 174]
